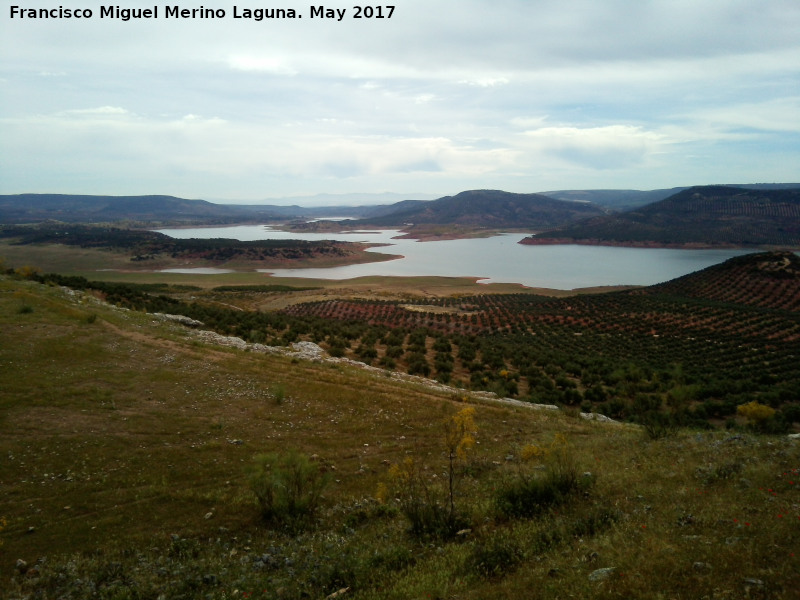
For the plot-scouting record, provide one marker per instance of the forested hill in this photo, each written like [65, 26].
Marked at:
[34, 208]
[768, 280]
[489, 209]
[698, 216]
[622, 200]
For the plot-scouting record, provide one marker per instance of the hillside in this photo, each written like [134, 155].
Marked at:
[765, 280]
[619, 354]
[480, 208]
[621, 200]
[685, 350]
[71, 208]
[615, 200]
[489, 209]
[127, 442]
[698, 216]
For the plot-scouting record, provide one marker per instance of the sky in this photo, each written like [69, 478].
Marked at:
[440, 97]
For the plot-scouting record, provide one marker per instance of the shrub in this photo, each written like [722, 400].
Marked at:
[495, 556]
[418, 364]
[427, 507]
[393, 559]
[27, 272]
[336, 351]
[791, 413]
[527, 495]
[593, 522]
[755, 412]
[288, 487]
[278, 392]
[712, 473]
[394, 351]
[431, 510]
[658, 425]
[763, 418]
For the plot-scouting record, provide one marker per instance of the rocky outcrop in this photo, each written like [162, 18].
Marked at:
[179, 319]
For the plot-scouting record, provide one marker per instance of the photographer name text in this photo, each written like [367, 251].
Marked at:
[177, 12]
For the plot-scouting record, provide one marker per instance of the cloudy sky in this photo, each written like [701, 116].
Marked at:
[444, 96]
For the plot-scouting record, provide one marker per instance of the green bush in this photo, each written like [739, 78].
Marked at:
[529, 494]
[278, 392]
[431, 518]
[336, 351]
[658, 425]
[288, 488]
[426, 506]
[495, 556]
[791, 412]
[431, 508]
[528, 497]
[593, 522]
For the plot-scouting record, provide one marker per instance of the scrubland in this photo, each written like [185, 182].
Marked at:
[127, 448]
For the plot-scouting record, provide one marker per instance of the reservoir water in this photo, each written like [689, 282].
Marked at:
[498, 259]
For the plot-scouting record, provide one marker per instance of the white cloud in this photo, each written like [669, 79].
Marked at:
[776, 115]
[486, 81]
[484, 93]
[608, 147]
[269, 64]
[100, 111]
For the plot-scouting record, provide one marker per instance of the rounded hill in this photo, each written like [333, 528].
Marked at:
[699, 216]
[770, 280]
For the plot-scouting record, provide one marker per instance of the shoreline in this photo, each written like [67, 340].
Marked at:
[534, 241]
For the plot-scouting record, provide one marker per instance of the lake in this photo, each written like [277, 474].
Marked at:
[498, 259]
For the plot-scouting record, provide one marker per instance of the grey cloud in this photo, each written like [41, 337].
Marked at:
[429, 166]
[441, 95]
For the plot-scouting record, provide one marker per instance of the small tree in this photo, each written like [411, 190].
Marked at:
[459, 441]
[288, 487]
[431, 510]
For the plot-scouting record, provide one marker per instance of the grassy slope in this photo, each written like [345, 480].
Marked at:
[116, 434]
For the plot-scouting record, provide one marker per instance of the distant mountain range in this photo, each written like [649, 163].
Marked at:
[622, 200]
[697, 216]
[479, 208]
[488, 209]
[748, 215]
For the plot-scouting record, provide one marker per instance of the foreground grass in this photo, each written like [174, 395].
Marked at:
[125, 445]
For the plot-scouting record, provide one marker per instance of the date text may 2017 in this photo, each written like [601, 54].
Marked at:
[359, 12]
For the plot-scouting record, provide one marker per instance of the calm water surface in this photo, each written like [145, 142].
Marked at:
[499, 259]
